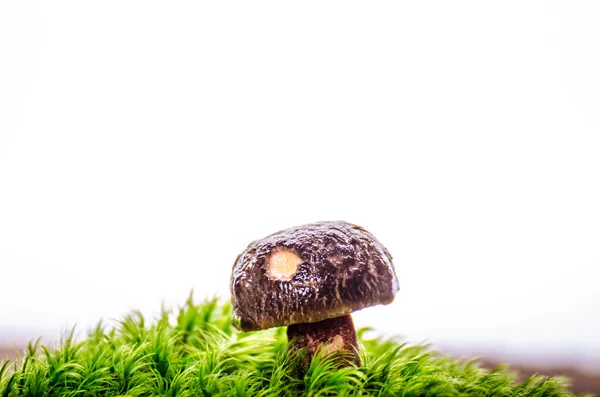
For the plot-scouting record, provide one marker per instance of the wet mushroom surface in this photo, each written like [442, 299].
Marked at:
[310, 278]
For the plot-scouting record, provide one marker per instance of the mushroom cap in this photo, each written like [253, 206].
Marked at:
[310, 273]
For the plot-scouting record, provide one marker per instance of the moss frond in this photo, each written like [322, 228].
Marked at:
[199, 354]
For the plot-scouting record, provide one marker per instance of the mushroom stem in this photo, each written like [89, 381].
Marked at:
[331, 335]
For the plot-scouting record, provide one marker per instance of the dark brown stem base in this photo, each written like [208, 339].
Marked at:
[334, 334]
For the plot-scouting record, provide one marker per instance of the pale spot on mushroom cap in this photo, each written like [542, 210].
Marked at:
[282, 263]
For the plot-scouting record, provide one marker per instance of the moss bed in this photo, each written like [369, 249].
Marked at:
[195, 352]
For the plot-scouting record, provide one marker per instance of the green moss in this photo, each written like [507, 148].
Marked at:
[197, 353]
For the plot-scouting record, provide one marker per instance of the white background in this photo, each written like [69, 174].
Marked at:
[143, 145]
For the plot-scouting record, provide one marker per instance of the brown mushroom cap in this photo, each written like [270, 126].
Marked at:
[310, 273]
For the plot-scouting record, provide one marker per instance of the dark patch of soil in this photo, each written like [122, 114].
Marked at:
[581, 381]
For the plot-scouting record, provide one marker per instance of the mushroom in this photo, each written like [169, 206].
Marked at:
[310, 278]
